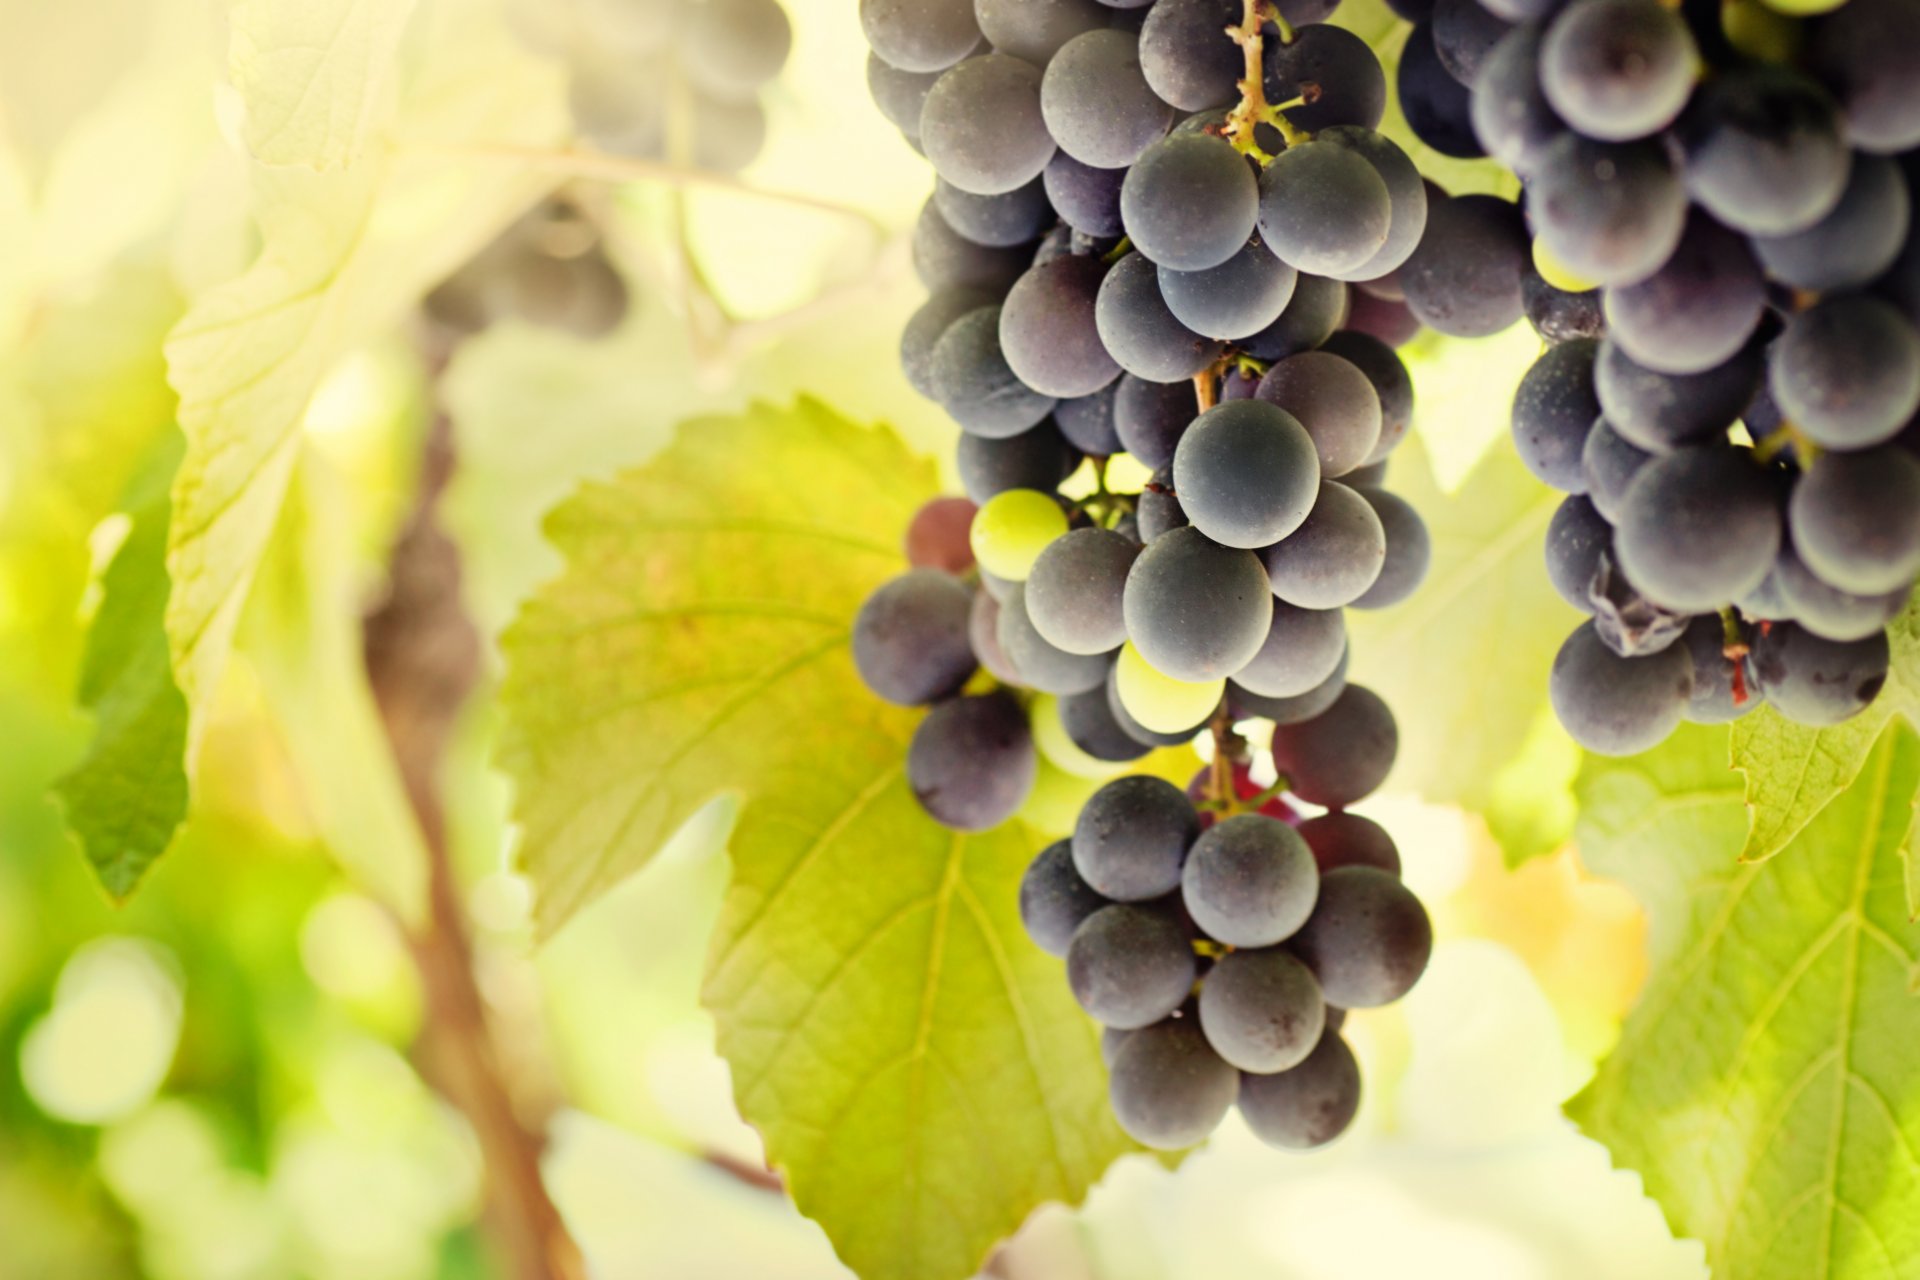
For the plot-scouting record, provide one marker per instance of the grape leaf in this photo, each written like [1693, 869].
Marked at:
[128, 795]
[1464, 662]
[1766, 1086]
[916, 1067]
[314, 75]
[1794, 772]
[343, 254]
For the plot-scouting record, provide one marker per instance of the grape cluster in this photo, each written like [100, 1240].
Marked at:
[1722, 259]
[1163, 252]
[665, 79]
[550, 268]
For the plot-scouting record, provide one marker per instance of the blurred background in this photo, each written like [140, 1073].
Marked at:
[219, 1080]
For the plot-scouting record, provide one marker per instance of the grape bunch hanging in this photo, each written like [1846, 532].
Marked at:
[1718, 212]
[1139, 248]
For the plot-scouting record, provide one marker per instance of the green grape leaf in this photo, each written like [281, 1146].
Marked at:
[1766, 1086]
[314, 75]
[1794, 772]
[916, 1067]
[343, 254]
[128, 795]
[1464, 662]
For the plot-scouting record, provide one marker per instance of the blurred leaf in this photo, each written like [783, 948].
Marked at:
[1464, 662]
[302, 635]
[1793, 772]
[343, 255]
[125, 799]
[1766, 1087]
[314, 74]
[1531, 808]
[916, 1067]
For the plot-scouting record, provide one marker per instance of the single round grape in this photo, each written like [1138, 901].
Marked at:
[1661, 412]
[1042, 664]
[1012, 218]
[1317, 308]
[1086, 198]
[1409, 551]
[1815, 682]
[937, 537]
[1249, 881]
[1262, 1010]
[1464, 279]
[1091, 725]
[1464, 33]
[1342, 755]
[1158, 507]
[1578, 537]
[1195, 610]
[981, 126]
[1187, 56]
[1245, 704]
[1557, 315]
[900, 95]
[1151, 417]
[1717, 697]
[1241, 296]
[935, 316]
[1087, 422]
[1334, 70]
[1037, 458]
[1303, 648]
[1847, 372]
[1698, 528]
[1612, 212]
[1763, 150]
[1310, 1105]
[971, 762]
[1373, 475]
[1189, 202]
[1323, 208]
[1097, 103]
[983, 625]
[621, 27]
[1011, 529]
[944, 259]
[1349, 840]
[1334, 557]
[1073, 592]
[910, 638]
[1437, 106]
[1156, 708]
[1132, 837]
[1827, 611]
[1247, 474]
[728, 135]
[1334, 401]
[1048, 330]
[1553, 411]
[1391, 384]
[1054, 900]
[1129, 965]
[1511, 115]
[1386, 321]
[1856, 519]
[1037, 30]
[1168, 1088]
[975, 384]
[1615, 706]
[1368, 939]
[1141, 333]
[1698, 310]
[1853, 244]
[732, 47]
[1618, 69]
[1864, 53]
[920, 35]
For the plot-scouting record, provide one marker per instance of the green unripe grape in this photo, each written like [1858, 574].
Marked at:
[1012, 529]
[1764, 32]
[1158, 701]
[1804, 8]
[1050, 738]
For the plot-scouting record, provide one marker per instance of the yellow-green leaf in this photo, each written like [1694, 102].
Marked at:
[314, 75]
[1766, 1087]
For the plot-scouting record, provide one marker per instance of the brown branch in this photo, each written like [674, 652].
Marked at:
[422, 658]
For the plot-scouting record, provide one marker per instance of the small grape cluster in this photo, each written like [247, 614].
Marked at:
[550, 269]
[1724, 266]
[630, 62]
[1139, 248]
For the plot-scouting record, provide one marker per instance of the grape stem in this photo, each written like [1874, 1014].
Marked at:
[1735, 649]
[1787, 436]
[1254, 110]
